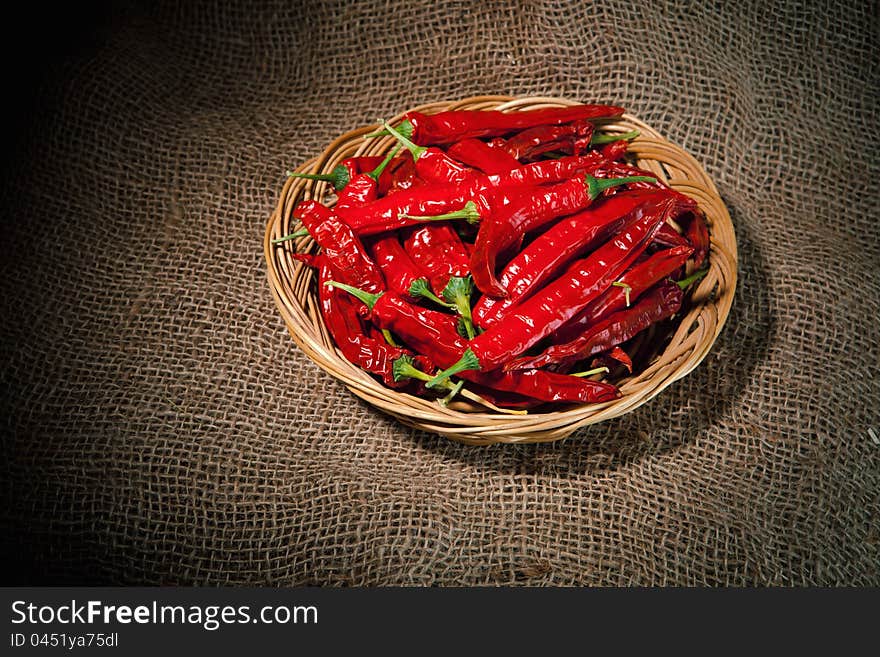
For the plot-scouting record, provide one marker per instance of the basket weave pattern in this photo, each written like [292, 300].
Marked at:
[293, 287]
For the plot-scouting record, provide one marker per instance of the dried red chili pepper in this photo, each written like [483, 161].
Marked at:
[401, 274]
[449, 201]
[634, 282]
[343, 172]
[572, 138]
[343, 320]
[432, 164]
[364, 187]
[697, 233]
[455, 125]
[433, 334]
[438, 250]
[527, 212]
[479, 155]
[548, 253]
[540, 315]
[661, 302]
[340, 245]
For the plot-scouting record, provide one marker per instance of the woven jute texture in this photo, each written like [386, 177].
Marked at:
[161, 427]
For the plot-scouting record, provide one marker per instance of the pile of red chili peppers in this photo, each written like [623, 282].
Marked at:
[513, 258]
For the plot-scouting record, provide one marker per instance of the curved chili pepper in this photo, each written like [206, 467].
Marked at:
[432, 164]
[481, 156]
[660, 303]
[402, 275]
[540, 315]
[340, 245]
[364, 187]
[343, 172]
[433, 334]
[455, 125]
[343, 321]
[484, 191]
[697, 233]
[572, 138]
[641, 277]
[438, 250]
[548, 253]
[528, 212]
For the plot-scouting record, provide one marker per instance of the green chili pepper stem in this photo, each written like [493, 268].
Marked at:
[420, 288]
[338, 176]
[626, 290]
[697, 275]
[470, 212]
[600, 138]
[375, 173]
[598, 370]
[405, 128]
[458, 292]
[404, 368]
[468, 361]
[411, 147]
[455, 390]
[368, 298]
[389, 338]
[596, 186]
[302, 232]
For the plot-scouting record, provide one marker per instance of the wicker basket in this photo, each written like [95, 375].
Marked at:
[293, 287]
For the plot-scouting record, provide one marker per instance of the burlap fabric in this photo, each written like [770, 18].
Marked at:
[161, 427]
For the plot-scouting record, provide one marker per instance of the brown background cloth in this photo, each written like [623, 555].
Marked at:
[161, 427]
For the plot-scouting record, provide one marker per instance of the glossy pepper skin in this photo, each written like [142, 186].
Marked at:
[482, 157]
[438, 251]
[545, 257]
[340, 245]
[398, 269]
[343, 172]
[526, 212]
[572, 138]
[434, 334]
[641, 277]
[342, 319]
[661, 302]
[697, 233]
[455, 125]
[486, 191]
[542, 314]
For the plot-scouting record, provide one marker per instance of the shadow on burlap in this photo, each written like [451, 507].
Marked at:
[160, 426]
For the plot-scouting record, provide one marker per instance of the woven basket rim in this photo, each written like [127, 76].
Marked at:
[293, 294]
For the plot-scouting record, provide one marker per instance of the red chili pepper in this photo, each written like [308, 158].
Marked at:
[455, 125]
[697, 232]
[343, 172]
[364, 187]
[479, 155]
[402, 275]
[668, 237]
[432, 164]
[485, 191]
[341, 246]
[525, 213]
[402, 173]
[439, 252]
[542, 314]
[548, 253]
[660, 303]
[641, 277]
[434, 334]
[343, 321]
[612, 359]
[572, 138]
